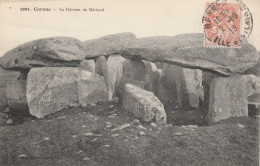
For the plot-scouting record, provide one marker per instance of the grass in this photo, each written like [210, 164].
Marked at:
[63, 139]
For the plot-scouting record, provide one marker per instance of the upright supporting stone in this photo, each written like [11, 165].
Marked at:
[184, 82]
[102, 69]
[16, 95]
[228, 96]
[115, 67]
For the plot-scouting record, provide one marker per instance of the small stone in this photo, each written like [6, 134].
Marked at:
[88, 134]
[22, 156]
[178, 134]
[84, 105]
[9, 121]
[83, 126]
[150, 129]
[192, 126]
[74, 136]
[46, 139]
[241, 126]
[64, 117]
[154, 125]
[111, 116]
[79, 152]
[189, 126]
[111, 106]
[86, 158]
[115, 135]
[141, 127]
[97, 135]
[169, 125]
[108, 123]
[106, 146]
[136, 121]
[141, 133]
[73, 105]
[121, 127]
[93, 104]
[108, 126]
[94, 139]
[90, 116]
[126, 140]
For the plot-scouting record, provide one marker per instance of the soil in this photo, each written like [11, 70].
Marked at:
[86, 136]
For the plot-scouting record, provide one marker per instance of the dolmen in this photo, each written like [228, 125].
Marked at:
[51, 74]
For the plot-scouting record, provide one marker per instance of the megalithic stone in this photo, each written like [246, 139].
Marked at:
[103, 71]
[188, 50]
[228, 96]
[185, 83]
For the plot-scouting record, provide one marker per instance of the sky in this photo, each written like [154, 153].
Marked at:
[142, 17]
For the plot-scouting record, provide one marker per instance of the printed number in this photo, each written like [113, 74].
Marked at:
[24, 9]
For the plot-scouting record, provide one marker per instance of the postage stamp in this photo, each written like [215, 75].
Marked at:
[226, 24]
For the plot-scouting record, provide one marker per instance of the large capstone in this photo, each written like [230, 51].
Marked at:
[188, 50]
[53, 52]
[107, 45]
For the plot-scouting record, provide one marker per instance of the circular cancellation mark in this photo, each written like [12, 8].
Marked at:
[226, 24]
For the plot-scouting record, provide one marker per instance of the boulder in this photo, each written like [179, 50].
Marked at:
[54, 52]
[229, 96]
[6, 78]
[16, 95]
[107, 45]
[88, 65]
[51, 89]
[188, 50]
[143, 104]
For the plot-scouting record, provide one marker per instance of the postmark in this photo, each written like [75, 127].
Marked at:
[226, 23]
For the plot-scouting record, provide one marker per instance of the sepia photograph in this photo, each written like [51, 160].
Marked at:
[129, 83]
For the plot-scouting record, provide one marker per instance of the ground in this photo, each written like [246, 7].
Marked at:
[86, 136]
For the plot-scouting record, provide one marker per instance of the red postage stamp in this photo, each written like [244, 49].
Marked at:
[224, 24]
